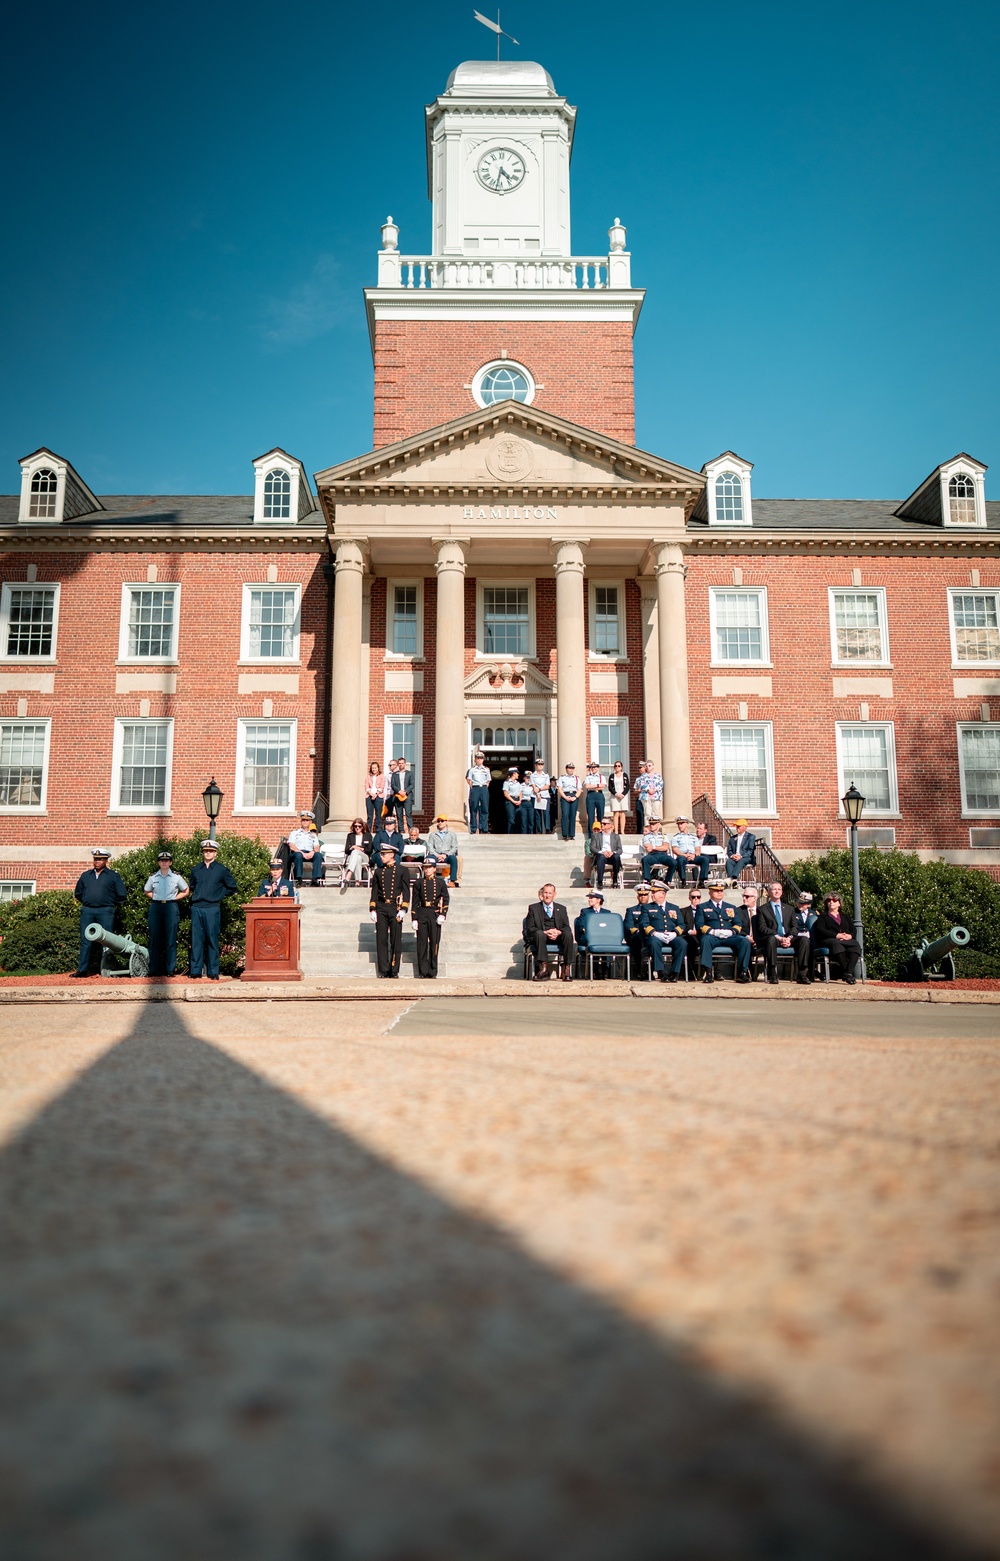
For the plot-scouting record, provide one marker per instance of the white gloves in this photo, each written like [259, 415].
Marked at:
[440, 921]
[413, 926]
[723, 932]
[400, 915]
[372, 916]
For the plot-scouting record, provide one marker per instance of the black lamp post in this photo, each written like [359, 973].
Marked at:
[854, 806]
[212, 798]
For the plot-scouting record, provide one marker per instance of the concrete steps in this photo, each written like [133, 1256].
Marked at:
[482, 937]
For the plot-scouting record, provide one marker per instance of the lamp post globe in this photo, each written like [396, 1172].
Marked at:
[854, 805]
[212, 798]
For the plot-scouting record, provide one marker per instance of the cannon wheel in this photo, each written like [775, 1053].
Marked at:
[138, 963]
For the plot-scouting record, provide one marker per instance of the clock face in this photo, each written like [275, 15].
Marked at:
[500, 170]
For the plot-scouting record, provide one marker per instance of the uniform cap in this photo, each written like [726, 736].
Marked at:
[388, 846]
[643, 888]
[277, 862]
[100, 851]
[164, 856]
[805, 899]
[595, 894]
[307, 813]
[512, 769]
[213, 843]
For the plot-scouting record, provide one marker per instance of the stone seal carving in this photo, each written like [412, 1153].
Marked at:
[508, 459]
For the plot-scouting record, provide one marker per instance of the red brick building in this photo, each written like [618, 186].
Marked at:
[504, 568]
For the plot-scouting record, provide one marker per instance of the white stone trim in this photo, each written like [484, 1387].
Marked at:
[115, 807]
[128, 586]
[713, 469]
[960, 727]
[399, 656]
[892, 811]
[476, 386]
[32, 720]
[977, 472]
[300, 500]
[243, 721]
[878, 591]
[28, 585]
[249, 587]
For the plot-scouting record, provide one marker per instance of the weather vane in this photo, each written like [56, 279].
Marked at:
[495, 27]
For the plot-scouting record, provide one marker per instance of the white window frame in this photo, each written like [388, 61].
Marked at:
[299, 497]
[270, 661]
[390, 598]
[883, 624]
[713, 469]
[128, 586]
[25, 808]
[599, 656]
[242, 723]
[765, 632]
[27, 884]
[501, 363]
[977, 472]
[620, 721]
[115, 808]
[771, 810]
[28, 585]
[496, 655]
[418, 743]
[967, 812]
[43, 461]
[892, 811]
[968, 590]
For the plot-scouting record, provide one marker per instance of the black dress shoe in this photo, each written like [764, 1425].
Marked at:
[772, 981]
[851, 980]
[542, 973]
[744, 979]
[81, 975]
[707, 977]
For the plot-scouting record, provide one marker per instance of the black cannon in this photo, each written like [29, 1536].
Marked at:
[124, 946]
[936, 961]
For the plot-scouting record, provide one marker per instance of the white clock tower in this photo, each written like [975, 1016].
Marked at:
[499, 140]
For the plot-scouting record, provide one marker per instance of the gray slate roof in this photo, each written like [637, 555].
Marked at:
[838, 515]
[209, 510]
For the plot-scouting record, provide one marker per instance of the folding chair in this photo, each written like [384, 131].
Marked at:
[605, 934]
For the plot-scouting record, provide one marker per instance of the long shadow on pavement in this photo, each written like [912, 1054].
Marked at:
[232, 1333]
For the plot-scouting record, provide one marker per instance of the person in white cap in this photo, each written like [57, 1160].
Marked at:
[211, 883]
[100, 891]
[305, 847]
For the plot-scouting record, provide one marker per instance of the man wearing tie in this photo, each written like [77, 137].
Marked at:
[776, 929]
[742, 849]
[545, 929]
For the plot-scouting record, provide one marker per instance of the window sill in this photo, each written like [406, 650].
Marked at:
[972, 817]
[398, 659]
[147, 661]
[596, 660]
[743, 666]
[869, 814]
[861, 666]
[976, 666]
[527, 657]
[269, 661]
[28, 661]
[139, 813]
[264, 813]
[25, 812]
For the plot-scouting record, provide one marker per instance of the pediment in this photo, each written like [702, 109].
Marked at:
[510, 678]
[509, 448]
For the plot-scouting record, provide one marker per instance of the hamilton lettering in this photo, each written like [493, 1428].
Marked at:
[515, 512]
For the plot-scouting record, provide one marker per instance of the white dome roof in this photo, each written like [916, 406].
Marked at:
[516, 77]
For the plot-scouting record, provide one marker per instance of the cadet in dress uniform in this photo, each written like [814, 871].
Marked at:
[634, 933]
[100, 891]
[390, 888]
[659, 918]
[211, 883]
[429, 907]
[713, 919]
[164, 890]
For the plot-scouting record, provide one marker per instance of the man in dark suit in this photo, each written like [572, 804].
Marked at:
[741, 850]
[776, 929]
[545, 929]
[746, 921]
[401, 794]
[691, 909]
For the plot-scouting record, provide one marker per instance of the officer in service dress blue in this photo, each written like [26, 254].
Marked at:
[100, 891]
[635, 935]
[717, 927]
[211, 883]
[663, 926]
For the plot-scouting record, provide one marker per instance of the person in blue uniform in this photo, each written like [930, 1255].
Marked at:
[595, 902]
[164, 890]
[717, 927]
[664, 932]
[276, 885]
[100, 891]
[477, 778]
[211, 883]
[634, 934]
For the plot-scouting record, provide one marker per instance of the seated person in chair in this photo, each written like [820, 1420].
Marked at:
[691, 909]
[664, 929]
[357, 852]
[705, 839]
[635, 933]
[414, 852]
[776, 930]
[655, 853]
[546, 929]
[606, 850]
[834, 931]
[805, 921]
[684, 851]
[717, 927]
[305, 847]
[741, 849]
[442, 845]
[595, 902]
[389, 835]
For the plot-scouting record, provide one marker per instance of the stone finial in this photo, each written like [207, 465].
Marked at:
[616, 236]
[390, 234]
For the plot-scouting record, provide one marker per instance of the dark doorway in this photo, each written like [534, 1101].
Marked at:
[499, 761]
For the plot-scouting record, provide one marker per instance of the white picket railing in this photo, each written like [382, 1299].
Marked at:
[434, 271]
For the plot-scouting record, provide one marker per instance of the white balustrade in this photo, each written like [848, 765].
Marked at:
[503, 271]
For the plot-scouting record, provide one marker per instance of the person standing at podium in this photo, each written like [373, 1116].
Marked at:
[164, 890]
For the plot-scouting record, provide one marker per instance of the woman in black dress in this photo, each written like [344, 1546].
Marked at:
[834, 930]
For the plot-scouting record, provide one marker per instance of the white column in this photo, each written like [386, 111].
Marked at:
[450, 759]
[571, 669]
[365, 751]
[345, 694]
[675, 731]
[648, 589]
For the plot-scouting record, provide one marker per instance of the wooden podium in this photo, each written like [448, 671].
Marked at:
[274, 938]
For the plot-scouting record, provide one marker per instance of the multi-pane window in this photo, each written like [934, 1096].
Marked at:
[505, 620]
[403, 740]
[609, 742]
[505, 737]
[868, 761]
[503, 384]
[277, 496]
[404, 620]
[744, 767]
[979, 755]
[267, 754]
[962, 500]
[22, 763]
[739, 620]
[150, 623]
[729, 498]
[14, 889]
[272, 615]
[29, 620]
[142, 765]
[607, 636]
[858, 626]
[44, 486]
[976, 625]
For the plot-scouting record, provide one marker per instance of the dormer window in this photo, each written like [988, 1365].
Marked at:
[277, 496]
[962, 500]
[502, 381]
[729, 499]
[44, 486]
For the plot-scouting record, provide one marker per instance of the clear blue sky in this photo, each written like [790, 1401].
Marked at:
[194, 195]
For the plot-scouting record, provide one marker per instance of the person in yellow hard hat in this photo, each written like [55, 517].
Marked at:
[741, 851]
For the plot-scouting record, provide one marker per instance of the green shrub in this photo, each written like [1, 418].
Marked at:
[247, 860]
[41, 945]
[970, 963]
[905, 900]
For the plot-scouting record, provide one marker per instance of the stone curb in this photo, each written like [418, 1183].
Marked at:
[362, 990]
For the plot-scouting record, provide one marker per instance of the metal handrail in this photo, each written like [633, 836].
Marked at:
[766, 867]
